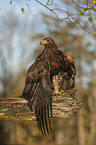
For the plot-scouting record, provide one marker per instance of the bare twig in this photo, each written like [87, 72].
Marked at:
[70, 17]
[50, 4]
[91, 7]
[77, 4]
[66, 7]
[52, 10]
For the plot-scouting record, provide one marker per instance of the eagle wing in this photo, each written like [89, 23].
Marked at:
[67, 79]
[38, 93]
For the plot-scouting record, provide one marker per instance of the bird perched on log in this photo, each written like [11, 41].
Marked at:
[65, 80]
[52, 68]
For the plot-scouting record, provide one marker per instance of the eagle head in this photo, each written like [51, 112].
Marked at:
[48, 41]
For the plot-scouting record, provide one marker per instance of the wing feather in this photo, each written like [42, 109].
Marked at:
[39, 96]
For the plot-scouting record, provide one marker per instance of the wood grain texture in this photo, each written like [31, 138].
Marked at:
[15, 108]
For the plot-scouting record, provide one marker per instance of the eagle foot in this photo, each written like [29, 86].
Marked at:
[57, 93]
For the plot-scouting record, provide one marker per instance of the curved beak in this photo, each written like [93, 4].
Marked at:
[44, 42]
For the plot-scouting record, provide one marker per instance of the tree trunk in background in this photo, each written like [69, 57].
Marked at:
[86, 119]
[92, 108]
[80, 119]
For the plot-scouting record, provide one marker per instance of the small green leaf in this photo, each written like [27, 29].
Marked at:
[81, 13]
[10, 2]
[89, 14]
[85, 9]
[90, 19]
[22, 10]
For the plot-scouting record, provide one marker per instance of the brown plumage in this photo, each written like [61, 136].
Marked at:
[66, 80]
[38, 85]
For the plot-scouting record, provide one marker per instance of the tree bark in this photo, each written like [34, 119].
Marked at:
[16, 108]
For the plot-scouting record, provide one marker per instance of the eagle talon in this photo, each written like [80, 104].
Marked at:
[58, 93]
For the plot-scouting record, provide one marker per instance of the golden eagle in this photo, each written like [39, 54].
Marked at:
[52, 68]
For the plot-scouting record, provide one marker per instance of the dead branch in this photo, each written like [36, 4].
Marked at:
[16, 108]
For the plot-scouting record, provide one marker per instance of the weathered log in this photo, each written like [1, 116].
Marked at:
[65, 106]
[15, 108]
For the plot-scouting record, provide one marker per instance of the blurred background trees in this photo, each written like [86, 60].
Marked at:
[20, 36]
